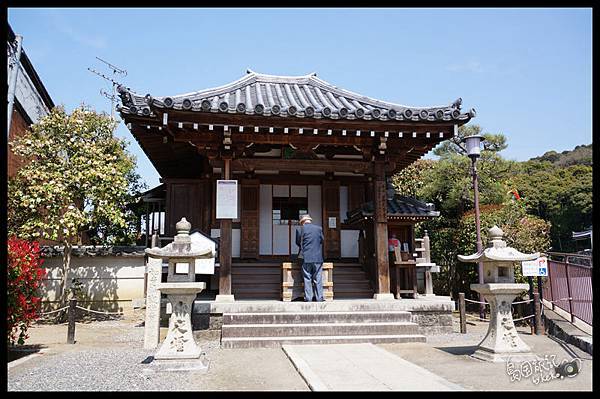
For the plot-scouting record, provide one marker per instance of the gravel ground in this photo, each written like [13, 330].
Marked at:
[109, 356]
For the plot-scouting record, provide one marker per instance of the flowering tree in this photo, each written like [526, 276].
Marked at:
[76, 180]
[24, 279]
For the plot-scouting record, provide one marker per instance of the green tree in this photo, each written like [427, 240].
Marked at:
[561, 195]
[526, 233]
[77, 178]
[447, 183]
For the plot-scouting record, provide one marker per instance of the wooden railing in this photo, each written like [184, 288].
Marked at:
[292, 285]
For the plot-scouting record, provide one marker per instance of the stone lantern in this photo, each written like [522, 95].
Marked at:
[181, 291]
[499, 289]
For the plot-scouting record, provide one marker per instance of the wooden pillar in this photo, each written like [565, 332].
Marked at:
[381, 232]
[249, 218]
[225, 249]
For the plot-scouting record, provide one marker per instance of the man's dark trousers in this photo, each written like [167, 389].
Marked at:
[312, 270]
[310, 239]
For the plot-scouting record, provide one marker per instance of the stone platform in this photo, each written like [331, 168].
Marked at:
[413, 319]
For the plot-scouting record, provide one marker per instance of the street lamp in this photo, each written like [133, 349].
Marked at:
[473, 144]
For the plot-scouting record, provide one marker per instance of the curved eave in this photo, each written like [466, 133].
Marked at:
[498, 255]
[357, 219]
[285, 96]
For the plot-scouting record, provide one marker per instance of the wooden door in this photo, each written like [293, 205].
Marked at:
[331, 209]
[249, 219]
[184, 199]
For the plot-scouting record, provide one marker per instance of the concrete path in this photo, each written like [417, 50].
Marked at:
[361, 367]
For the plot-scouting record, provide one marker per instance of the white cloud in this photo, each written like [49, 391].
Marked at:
[61, 25]
[468, 66]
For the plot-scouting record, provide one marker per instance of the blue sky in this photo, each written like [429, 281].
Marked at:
[527, 72]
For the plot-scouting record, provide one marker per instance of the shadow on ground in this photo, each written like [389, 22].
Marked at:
[17, 352]
[458, 350]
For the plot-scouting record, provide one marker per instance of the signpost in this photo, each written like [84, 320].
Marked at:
[539, 268]
[227, 199]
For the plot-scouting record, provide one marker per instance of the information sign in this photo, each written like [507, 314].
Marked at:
[227, 199]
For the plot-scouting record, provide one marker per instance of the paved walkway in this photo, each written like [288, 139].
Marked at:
[361, 367]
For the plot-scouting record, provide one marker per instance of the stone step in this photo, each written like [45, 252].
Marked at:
[317, 329]
[361, 284]
[354, 295]
[344, 289]
[275, 342]
[316, 317]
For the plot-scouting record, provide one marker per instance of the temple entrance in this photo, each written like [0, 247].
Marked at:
[286, 213]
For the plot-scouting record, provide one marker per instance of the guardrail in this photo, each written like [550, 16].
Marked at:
[569, 285]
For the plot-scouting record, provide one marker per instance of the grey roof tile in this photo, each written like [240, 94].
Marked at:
[301, 96]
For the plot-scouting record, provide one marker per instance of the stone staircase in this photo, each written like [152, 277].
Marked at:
[273, 329]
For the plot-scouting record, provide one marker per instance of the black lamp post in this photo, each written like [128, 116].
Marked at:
[473, 144]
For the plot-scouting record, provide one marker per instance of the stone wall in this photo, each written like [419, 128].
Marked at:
[433, 322]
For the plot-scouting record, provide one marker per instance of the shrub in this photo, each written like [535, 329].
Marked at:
[24, 279]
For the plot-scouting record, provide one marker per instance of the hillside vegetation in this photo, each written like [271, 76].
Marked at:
[580, 155]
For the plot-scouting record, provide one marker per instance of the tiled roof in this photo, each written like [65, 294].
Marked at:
[398, 206]
[90, 250]
[299, 96]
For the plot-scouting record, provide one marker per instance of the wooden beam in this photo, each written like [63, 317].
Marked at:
[307, 165]
[294, 122]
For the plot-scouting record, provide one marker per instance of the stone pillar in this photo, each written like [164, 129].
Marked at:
[152, 321]
[428, 278]
[381, 232]
[225, 248]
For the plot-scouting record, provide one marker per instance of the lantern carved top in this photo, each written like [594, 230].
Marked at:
[498, 251]
[182, 246]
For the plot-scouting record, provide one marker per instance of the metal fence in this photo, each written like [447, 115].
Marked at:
[569, 285]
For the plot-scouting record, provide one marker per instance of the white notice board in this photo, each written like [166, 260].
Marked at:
[227, 199]
[537, 267]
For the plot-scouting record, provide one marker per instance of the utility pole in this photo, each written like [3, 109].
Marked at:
[112, 97]
[12, 85]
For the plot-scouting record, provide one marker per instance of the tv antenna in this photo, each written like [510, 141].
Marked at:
[112, 97]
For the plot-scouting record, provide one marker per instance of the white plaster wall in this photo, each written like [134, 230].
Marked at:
[281, 239]
[314, 204]
[104, 278]
[235, 240]
[349, 243]
[343, 202]
[298, 191]
[265, 220]
[280, 190]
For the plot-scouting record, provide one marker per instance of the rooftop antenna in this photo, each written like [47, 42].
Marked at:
[112, 97]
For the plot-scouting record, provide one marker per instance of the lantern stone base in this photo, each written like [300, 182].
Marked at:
[484, 354]
[200, 364]
[502, 341]
[179, 343]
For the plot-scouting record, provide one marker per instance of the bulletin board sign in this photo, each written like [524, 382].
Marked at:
[227, 199]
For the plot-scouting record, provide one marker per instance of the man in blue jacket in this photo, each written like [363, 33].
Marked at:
[310, 240]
